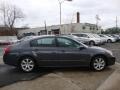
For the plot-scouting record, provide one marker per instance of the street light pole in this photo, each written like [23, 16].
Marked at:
[116, 23]
[60, 12]
[60, 5]
[97, 21]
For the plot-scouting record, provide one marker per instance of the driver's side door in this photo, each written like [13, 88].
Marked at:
[70, 53]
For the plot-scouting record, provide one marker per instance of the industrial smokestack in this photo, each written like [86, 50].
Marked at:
[78, 17]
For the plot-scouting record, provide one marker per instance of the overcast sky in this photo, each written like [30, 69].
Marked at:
[37, 11]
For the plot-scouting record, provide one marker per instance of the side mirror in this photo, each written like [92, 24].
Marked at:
[82, 47]
[88, 37]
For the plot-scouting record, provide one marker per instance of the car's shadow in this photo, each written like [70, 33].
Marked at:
[9, 74]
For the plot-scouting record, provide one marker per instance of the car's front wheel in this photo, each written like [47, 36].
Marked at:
[91, 43]
[27, 64]
[98, 63]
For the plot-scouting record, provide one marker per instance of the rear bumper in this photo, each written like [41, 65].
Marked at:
[10, 60]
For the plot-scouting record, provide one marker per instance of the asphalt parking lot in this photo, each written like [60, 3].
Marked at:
[60, 79]
[115, 48]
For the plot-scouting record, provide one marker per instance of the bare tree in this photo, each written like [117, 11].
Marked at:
[11, 14]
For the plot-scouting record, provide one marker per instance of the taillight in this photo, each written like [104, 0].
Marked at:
[6, 50]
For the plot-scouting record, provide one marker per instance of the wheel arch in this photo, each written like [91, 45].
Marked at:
[91, 41]
[98, 55]
[109, 40]
[25, 56]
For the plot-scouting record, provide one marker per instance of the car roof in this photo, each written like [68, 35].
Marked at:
[81, 33]
[42, 36]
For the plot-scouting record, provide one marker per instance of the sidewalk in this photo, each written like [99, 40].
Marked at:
[113, 81]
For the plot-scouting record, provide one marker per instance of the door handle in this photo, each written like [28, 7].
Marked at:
[36, 49]
[63, 50]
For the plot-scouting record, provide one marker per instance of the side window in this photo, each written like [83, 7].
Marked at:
[64, 42]
[77, 35]
[85, 36]
[43, 42]
[81, 35]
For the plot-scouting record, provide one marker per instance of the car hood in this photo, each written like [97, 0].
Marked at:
[95, 49]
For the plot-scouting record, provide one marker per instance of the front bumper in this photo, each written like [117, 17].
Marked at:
[113, 40]
[97, 43]
[111, 61]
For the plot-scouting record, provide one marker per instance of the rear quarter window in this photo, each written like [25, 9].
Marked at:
[43, 42]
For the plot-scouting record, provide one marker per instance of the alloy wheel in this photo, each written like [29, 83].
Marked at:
[99, 63]
[92, 43]
[27, 65]
[109, 41]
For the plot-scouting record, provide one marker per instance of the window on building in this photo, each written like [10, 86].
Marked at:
[91, 28]
[43, 32]
[29, 34]
[49, 32]
[83, 27]
[38, 33]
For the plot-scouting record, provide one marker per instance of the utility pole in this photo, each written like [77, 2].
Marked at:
[97, 21]
[60, 5]
[116, 23]
[45, 27]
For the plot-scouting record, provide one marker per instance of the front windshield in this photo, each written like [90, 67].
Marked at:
[101, 35]
[73, 36]
[91, 35]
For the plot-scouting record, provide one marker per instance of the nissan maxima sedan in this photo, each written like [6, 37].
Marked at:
[56, 51]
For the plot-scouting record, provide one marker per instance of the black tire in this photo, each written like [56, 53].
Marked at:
[27, 64]
[109, 41]
[91, 43]
[98, 63]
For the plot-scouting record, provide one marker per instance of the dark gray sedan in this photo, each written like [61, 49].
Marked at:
[56, 51]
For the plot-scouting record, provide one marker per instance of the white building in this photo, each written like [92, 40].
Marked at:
[63, 29]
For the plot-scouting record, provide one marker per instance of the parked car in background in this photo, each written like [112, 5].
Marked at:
[13, 40]
[117, 37]
[89, 37]
[7, 40]
[109, 38]
[26, 38]
[56, 51]
[103, 37]
[4, 42]
[103, 40]
[78, 38]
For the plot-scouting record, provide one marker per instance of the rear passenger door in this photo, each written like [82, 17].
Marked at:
[46, 50]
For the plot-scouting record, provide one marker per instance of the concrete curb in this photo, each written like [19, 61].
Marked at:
[112, 82]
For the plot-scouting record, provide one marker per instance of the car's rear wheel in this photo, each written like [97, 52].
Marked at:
[91, 43]
[27, 64]
[98, 63]
[109, 41]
